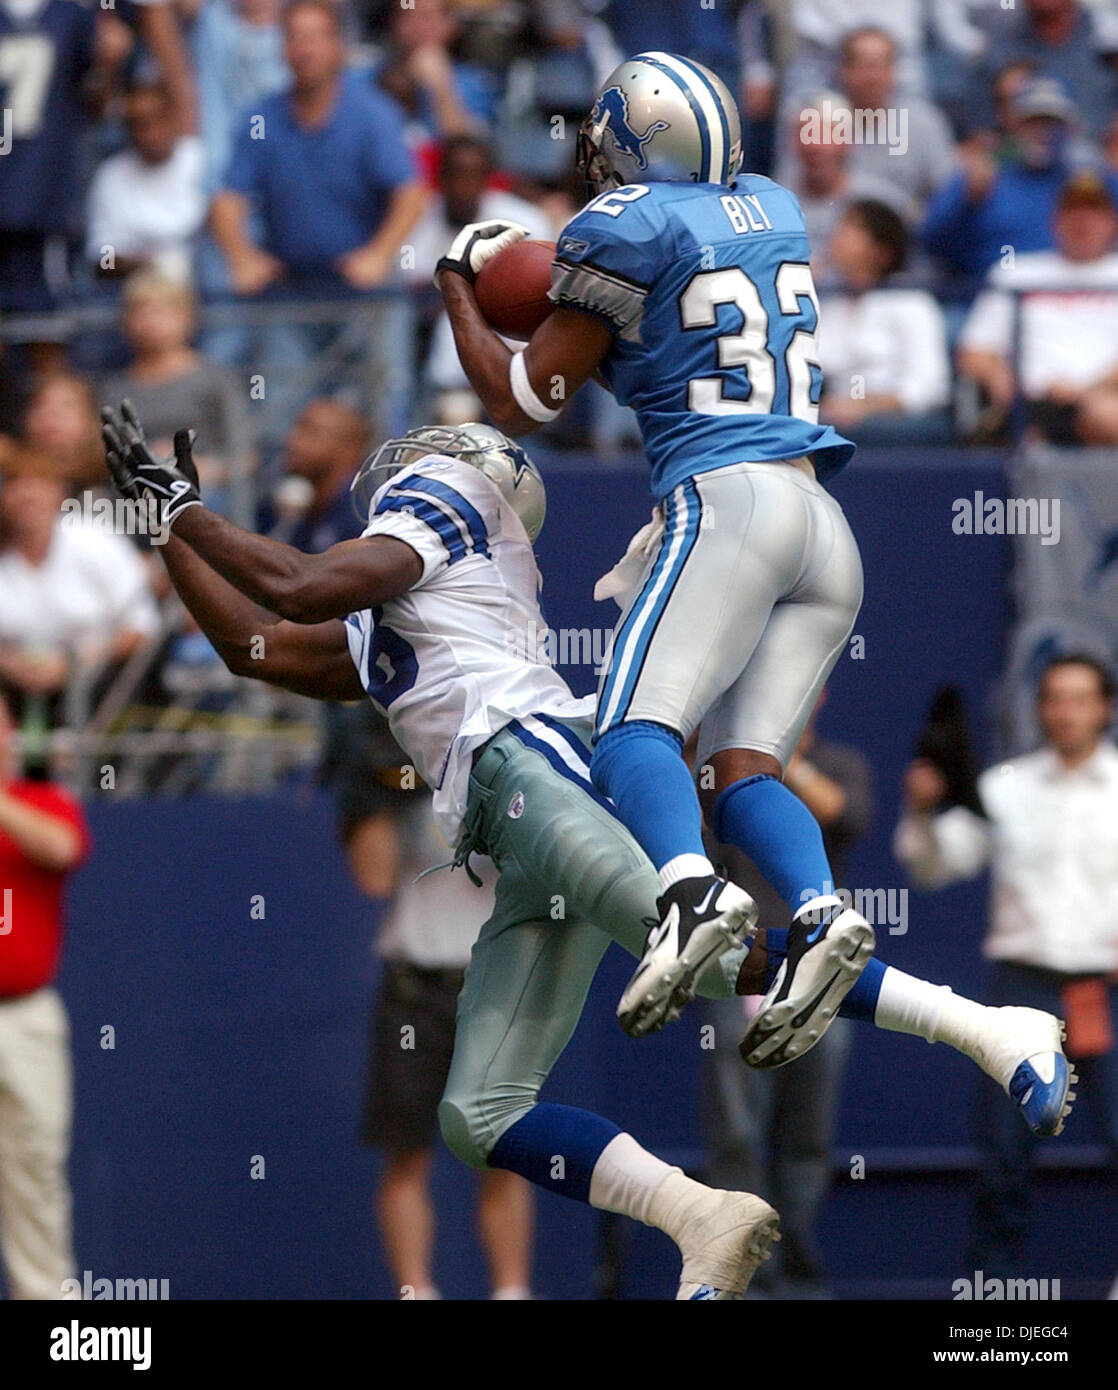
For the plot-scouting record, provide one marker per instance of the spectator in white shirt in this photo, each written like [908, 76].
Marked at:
[70, 592]
[1051, 842]
[146, 204]
[1063, 305]
[883, 350]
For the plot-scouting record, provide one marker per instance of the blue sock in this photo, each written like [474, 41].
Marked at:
[773, 826]
[640, 767]
[548, 1133]
[776, 943]
[860, 1002]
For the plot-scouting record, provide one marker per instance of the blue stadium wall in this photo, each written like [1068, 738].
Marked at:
[241, 1041]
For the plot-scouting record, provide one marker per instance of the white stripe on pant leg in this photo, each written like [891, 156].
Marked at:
[632, 642]
[538, 729]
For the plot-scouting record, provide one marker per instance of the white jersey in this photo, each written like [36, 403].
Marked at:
[458, 656]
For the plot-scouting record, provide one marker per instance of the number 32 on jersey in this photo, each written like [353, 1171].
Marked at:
[749, 347]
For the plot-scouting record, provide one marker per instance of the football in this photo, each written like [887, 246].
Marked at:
[512, 288]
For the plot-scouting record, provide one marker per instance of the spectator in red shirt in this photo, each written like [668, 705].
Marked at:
[43, 837]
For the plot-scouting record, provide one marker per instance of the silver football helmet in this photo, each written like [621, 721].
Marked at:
[501, 459]
[660, 117]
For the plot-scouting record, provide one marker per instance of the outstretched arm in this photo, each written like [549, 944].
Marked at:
[310, 659]
[302, 588]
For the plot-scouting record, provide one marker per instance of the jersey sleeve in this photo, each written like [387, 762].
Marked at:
[607, 260]
[445, 510]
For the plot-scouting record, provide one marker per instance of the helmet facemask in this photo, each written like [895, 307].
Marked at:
[393, 456]
[592, 163]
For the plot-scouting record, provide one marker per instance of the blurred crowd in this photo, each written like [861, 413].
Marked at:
[229, 211]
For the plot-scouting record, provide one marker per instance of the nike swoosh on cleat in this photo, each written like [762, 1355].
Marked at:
[708, 901]
[799, 1019]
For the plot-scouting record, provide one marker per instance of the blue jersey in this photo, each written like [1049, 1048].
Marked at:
[708, 293]
[44, 60]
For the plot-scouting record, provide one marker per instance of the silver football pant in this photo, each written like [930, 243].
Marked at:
[739, 615]
[571, 878]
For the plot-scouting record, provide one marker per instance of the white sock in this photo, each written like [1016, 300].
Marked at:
[684, 866]
[511, 1293]
[824, 901]
[962, 1023]
[626, 1177]
[932, 1012]
[673, 1203]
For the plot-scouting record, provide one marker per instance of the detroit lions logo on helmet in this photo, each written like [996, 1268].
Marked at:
[612, 108]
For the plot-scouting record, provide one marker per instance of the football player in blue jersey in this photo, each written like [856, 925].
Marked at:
[686, 287]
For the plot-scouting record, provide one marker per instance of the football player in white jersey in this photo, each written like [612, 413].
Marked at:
[430, 613]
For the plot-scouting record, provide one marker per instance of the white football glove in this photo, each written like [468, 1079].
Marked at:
[477, 243]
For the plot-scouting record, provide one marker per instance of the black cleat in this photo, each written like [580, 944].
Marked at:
[700, 919]
[826, 953]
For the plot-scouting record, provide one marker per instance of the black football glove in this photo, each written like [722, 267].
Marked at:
[172, 482]
[477, 243]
